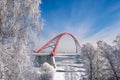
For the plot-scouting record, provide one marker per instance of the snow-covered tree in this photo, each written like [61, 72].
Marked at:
[17, 17]
[93, 62]
[116, 52]
[108, 54]
[47, 72]
[88, 55]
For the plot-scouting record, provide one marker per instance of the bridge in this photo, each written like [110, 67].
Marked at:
[61, 60]
[53, 44]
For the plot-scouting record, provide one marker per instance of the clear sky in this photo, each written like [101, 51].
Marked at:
[88, 20]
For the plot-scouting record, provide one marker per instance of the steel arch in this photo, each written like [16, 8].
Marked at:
[55, 42]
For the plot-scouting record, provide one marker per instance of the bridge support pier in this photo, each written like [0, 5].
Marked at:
[39, 60]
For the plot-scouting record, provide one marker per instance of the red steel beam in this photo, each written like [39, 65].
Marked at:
[57, 43]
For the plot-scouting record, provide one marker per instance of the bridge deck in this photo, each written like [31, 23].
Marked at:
[58, 54]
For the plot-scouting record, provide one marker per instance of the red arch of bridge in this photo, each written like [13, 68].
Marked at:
[59, 37]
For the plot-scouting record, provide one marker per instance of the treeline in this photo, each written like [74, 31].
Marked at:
[101, 62]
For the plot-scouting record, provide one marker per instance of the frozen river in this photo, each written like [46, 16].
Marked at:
[67, 64]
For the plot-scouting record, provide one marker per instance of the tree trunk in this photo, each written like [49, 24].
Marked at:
[113, 69]
[91, 70]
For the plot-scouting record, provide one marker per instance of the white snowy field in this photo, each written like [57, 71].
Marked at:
[59, 76]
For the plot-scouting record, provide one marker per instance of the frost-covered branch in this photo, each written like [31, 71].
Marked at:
[17, 17]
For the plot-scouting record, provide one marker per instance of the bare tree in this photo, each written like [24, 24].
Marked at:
[70, 73]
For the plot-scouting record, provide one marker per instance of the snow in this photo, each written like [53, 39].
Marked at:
[59, 76]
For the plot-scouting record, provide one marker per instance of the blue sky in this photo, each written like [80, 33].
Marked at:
[88, 20]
